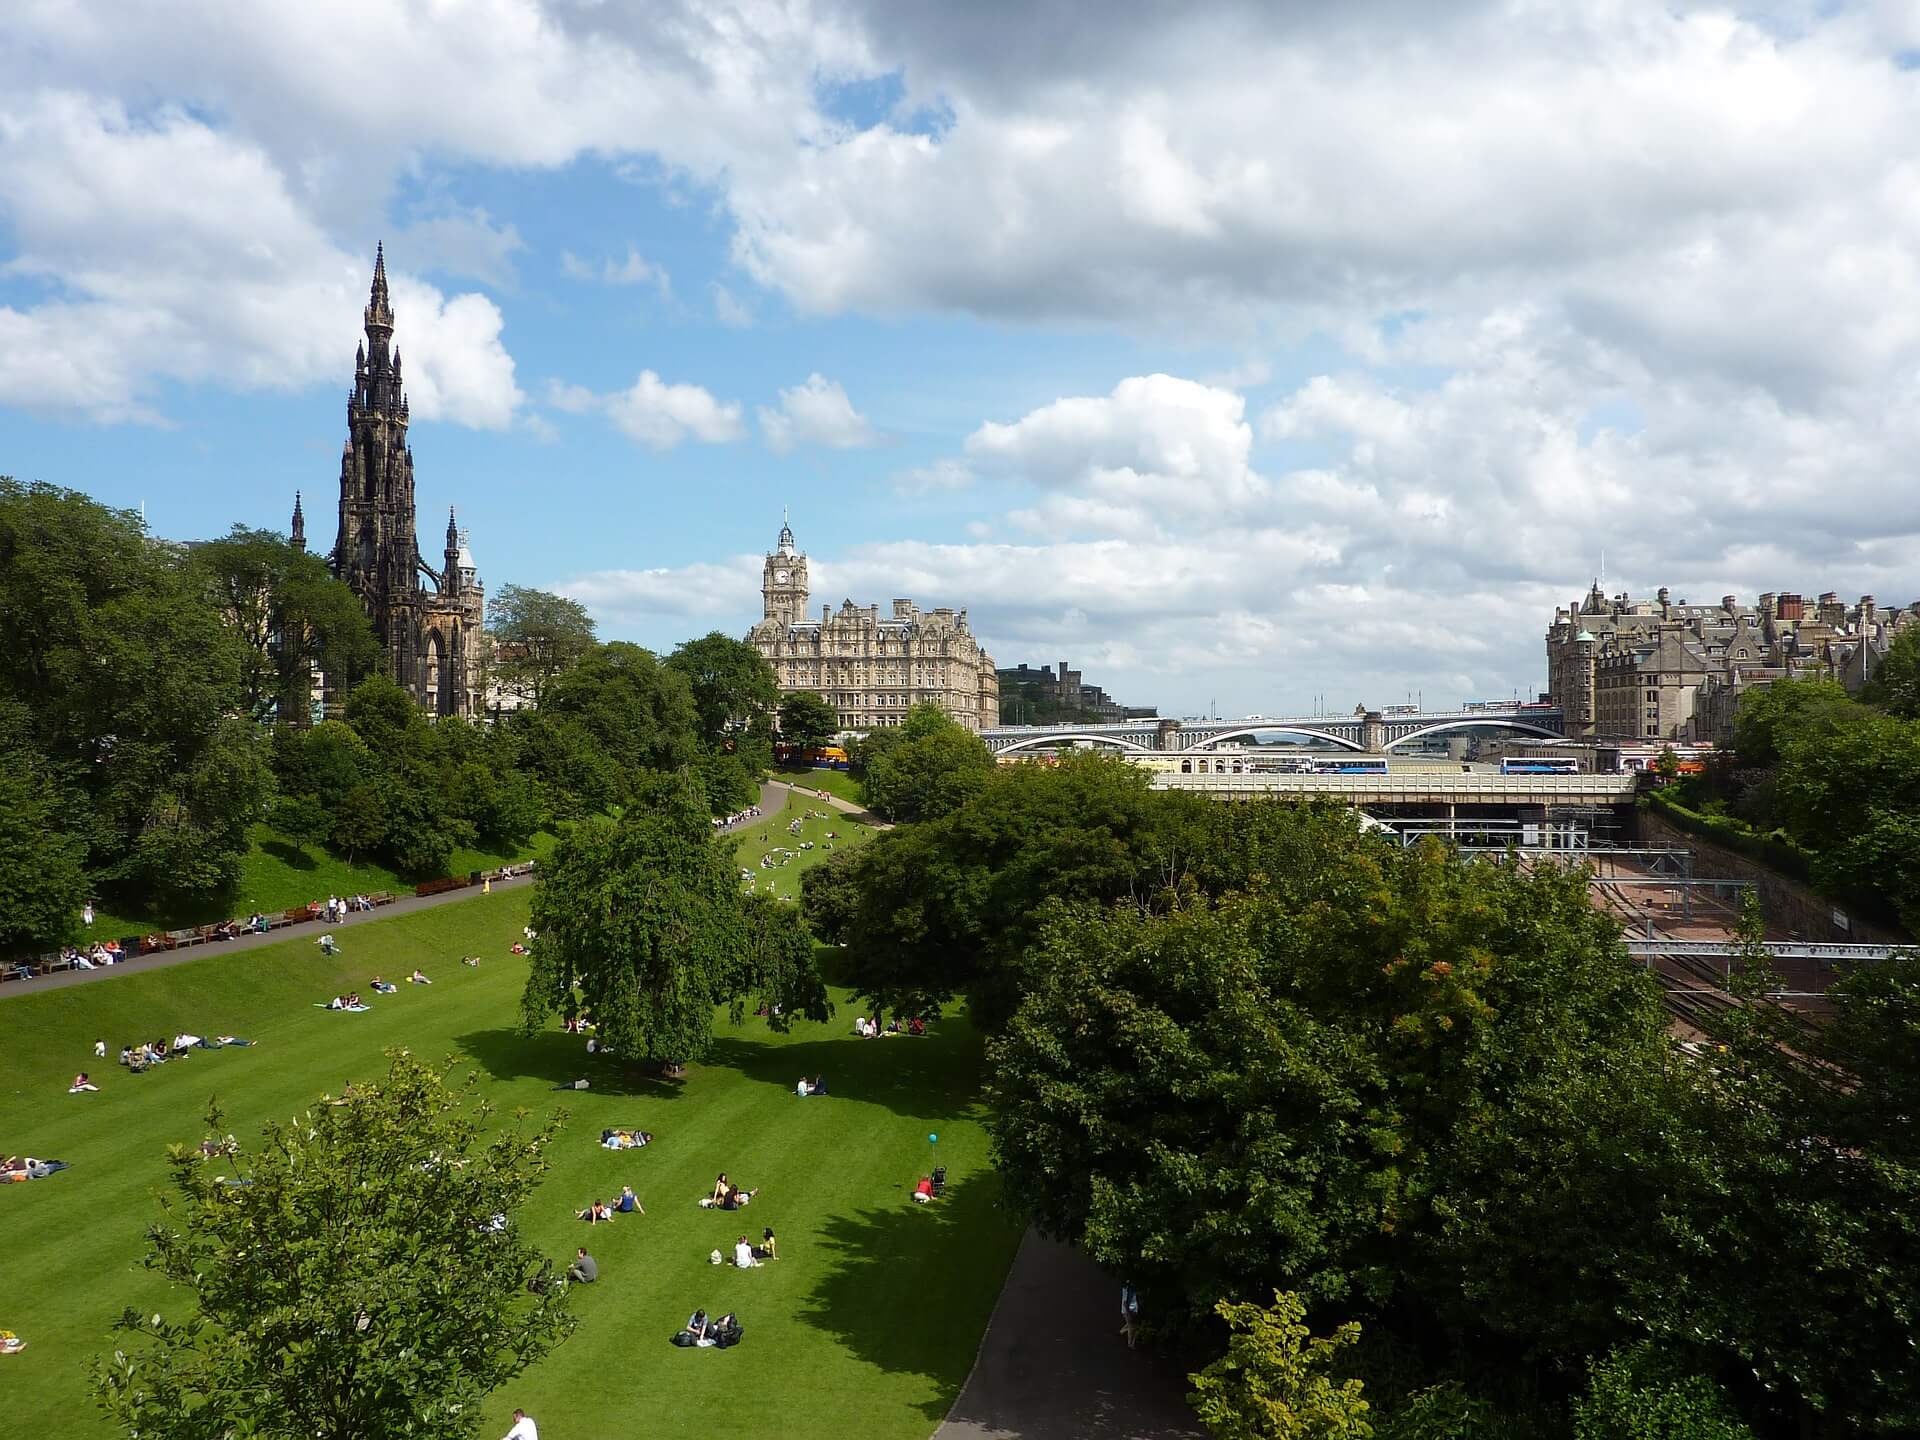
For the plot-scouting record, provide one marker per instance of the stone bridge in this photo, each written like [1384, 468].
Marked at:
[1375, 731]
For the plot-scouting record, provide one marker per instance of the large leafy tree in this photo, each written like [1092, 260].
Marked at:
[953, 904]
[291, 614]
[733, 685]
[43, 883]
[1770, 715]
[937, 768]
[539, 636]
[1277, 1381]
[807, 720]
[349, 1276]
[624, 701]
[641, 920]
[126, 680]
[1851, 795]
[1896, 685]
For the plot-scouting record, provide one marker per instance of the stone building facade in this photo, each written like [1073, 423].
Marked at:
[434, 637]
[1657, 670]
[1067, 691]
[872, 668]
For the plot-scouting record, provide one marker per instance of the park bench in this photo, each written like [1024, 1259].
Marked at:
[49, 964]
[183, 938]
[440, 887]
[380, 897]
[297, 916]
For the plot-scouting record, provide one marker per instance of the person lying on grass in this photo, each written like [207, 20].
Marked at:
[383, 987]
[473, 960]
[730, 1197]
[418, 979]
[626, 1139]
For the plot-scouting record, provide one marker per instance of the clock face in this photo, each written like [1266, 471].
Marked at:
[780, 577]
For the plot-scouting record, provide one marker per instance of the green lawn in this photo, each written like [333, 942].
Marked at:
[866, 1326]
[277, 874]
[766, 836]
[834, 782]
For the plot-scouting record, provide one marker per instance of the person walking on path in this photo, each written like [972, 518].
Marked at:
[1129, 1311]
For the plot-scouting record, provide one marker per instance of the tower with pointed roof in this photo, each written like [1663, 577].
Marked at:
[432, 636]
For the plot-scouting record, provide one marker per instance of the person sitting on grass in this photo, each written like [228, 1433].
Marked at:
[81, 1082]
[819, 1086]
[473, 960]
[743, 1256]
[694, 1332]
[804, 1088]
[353, 1001]
[583, 1269]
[595, 1213]
[923, 1192]
[383, 987]
[517, 949]
[768, 1248]
[339, 1002]
[418, 979]
[185, 1040]
[629, 1203]
[720, 1188]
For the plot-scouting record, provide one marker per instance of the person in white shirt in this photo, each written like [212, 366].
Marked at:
[100, 1049]
[523, 1427]
[743, 1254]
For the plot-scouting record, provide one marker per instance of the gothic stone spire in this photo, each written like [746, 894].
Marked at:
[299, 536]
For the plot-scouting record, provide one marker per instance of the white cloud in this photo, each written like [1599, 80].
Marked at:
[660, 415]
[633, 269]
[816, 412]
[218, 275]
[729, 309]
[942, 475]
[460, 242]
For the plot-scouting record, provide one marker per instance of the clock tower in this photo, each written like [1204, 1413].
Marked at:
[783, 583]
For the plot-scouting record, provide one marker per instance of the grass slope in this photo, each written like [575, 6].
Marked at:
[834, 782]
[765, 836]
[278, 874]
[866, 1326]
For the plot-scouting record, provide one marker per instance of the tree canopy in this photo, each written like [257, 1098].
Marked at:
[733, 685]
[937, 766]
[355, 1273]
[641, 921]
[538, 637]
[807, 720]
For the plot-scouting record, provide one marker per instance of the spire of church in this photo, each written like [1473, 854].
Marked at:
[786, 533]
[299, 537]
[453, 535]
[377, 302]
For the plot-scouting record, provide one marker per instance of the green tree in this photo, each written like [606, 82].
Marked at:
[1277, 1381]
[1896, 685]
[635, 711]
[43, 883]
[807, 720]
[1667, 764]
[1770, 714]
[940, 766]
[641, 920]
[124, 675]
[1852, 797]
[830, 895]
[538, 637]
[953, 904]
[356, 1273]
[1636, 1394]
[290, 614]
[733, 685]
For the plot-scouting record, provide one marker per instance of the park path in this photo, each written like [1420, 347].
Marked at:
[310, 932]
[845, 807]
[1053, 1365]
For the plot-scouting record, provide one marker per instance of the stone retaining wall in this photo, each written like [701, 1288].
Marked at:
[1788, 902]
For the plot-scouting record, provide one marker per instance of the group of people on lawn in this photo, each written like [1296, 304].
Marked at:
[872, 1030]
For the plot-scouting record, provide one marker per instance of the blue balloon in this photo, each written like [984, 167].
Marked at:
[933, 1139]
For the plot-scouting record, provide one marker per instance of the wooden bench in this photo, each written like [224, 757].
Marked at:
[299, 915]
[440, 887]
[183, 938]
[380, 897]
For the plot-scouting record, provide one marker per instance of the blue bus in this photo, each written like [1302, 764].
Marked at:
[1540, 765]
[1344, 766]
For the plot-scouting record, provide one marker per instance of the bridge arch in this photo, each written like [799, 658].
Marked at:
[1340, 740]
[1489, 723]
[1111, 741]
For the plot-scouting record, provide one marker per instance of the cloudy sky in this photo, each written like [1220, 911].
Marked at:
[1242, 353]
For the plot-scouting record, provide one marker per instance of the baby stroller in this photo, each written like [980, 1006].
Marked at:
[939, 1181]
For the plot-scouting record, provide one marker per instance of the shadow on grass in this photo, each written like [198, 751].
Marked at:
[903, 1287]
[559, 1059]
[294, 857]
[932, 1077]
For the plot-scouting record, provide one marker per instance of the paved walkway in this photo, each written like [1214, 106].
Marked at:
[310, 932]
[1053, 1365]
[845, 807]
